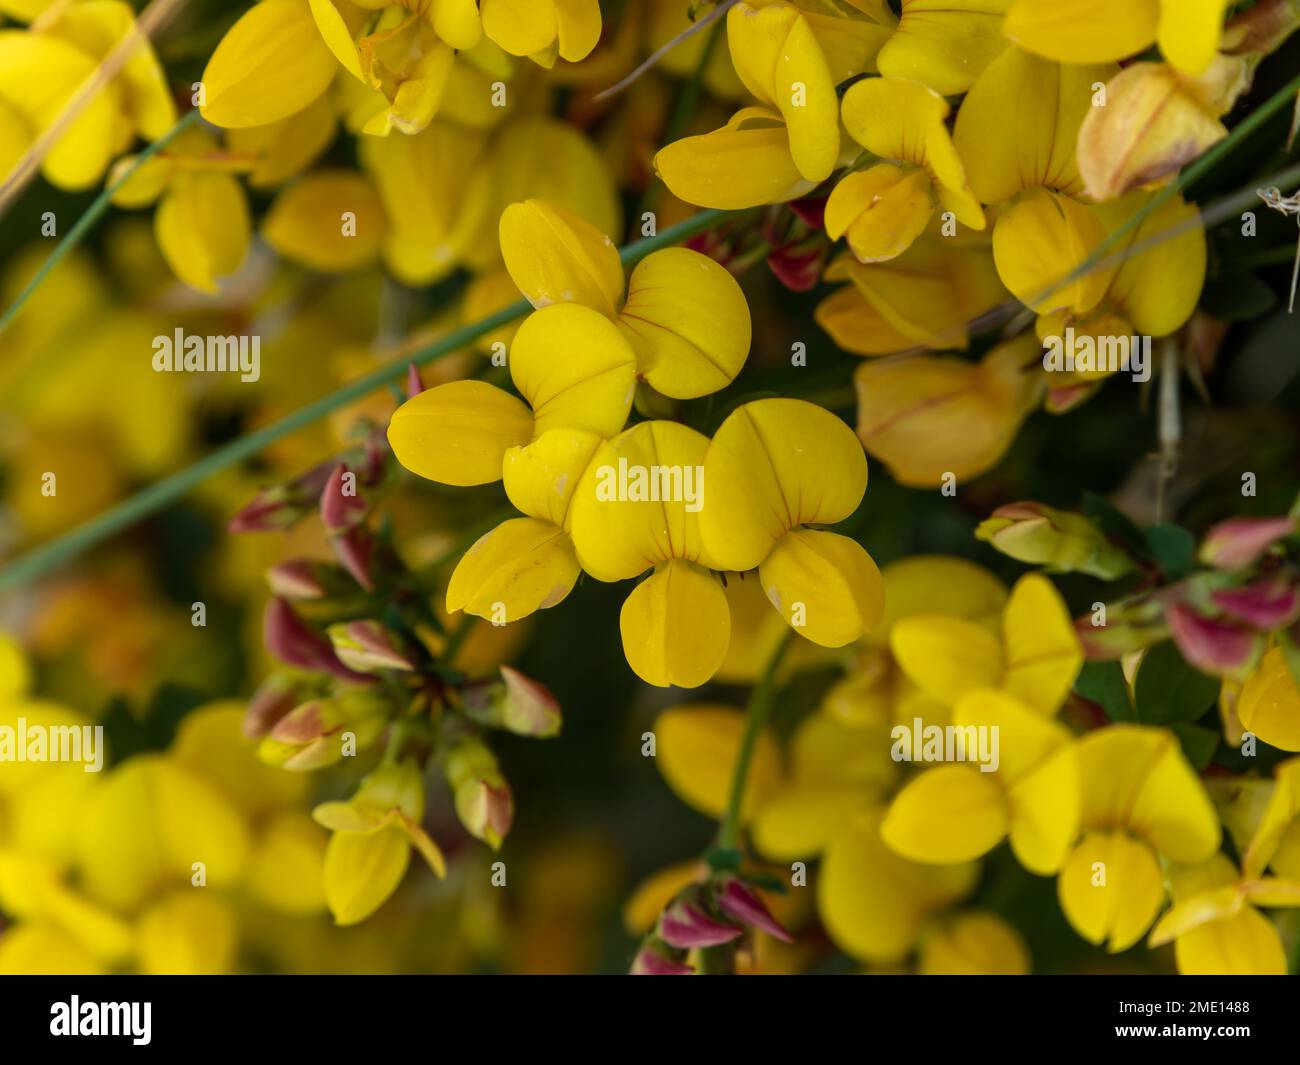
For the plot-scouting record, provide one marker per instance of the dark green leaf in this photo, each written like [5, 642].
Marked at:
[1169, 690]
[723, 859]
[1116, 525]
[1199, 743]
[1238, 299]
[1174, 549]
[1103, 683]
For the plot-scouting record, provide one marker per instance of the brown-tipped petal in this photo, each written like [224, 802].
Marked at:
[652, 962]
[414, 386]
[366, 646]
[1214, 647]
[1263, 605]
[1239, 542]
[355, 550]
[341, 505]
[296, 579]
[738, 901]
[294, 643]
[274, 698]
[530, 708]
[686, 926]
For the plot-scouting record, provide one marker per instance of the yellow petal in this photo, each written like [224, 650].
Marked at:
[883, 210]
[775, 464]
[329, 220]
[1280, 818]
[746, 163]
[1190, 31]
[269, 65]
[577, 24]
[202, 227]
[653, 894]
[457, 22]
[575, 369]
[362, 869]
[639, 503]
[1152, 125]
[521, 566]
[1245, 945]
[949, 814]
[1019, 124]
[974, 944]
[687, 321]
[696, 746]
[874, 903]
[946, 657]
[930, 416]
[286, 148]
[458, 433]
[521, 27]
[926, 584]
[944, 43]
[1083, 31]
[540, 479]
[824, 585]
[1042, 239]
[798, 821]
[1269, 705]
[676, 626]
[286, 869]
[1043, 654]
[554, 256]
[1111, 889]
[188, 934]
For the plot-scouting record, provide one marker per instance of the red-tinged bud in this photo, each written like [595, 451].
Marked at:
[297, 579]
[367, 646]
[317, 733]
[1109, 642]
[414, 386]
[274, 698]
[355, 550]
[294, 643]
[1239, 542]
[652, 961]
[799, 266]
[1264, 605]
[685, 925]
[282, 505]
[737, 900]
[341, 504]
[811, 211]
[1217, 648]
[515, 702]
[486, 807]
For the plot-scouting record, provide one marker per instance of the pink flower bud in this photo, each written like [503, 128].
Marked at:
[1239, 542]
[294, 643]
[414, 386]
[296, 579]
[366, 646]
[341, 505]
[1214, 647]
[1263, 605]
[737, 900]
[355, 551]
[686, 925]
[652, 962]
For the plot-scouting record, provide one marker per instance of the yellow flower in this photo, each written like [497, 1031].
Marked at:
[973, 943]
[883, 209]
[1092, 31]
[328, 220]
[1141, 802]
[696, 746]
[683, 314]
[41, 69]
[944, 43]
[541, 29]
[1269, 705]
[1275, 843]
[774, 467]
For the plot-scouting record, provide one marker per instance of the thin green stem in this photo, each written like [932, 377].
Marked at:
[92, 215]
[155, 497]
[761, 701]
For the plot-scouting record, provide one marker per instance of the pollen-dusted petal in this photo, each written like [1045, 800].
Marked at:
[640, 501]
[554, 256]
[1042, 239]
[944, 43]
[875, 903]
[823, 585]
[1042, 653]
[946, 657]
[1111, 889]
[687, 320]
[778, 58]
[1019, 124]
[1137, 777]
[746, 163]
[775, 464]
[1189, 32]
[696, 746]
[577, 27]
[574, 368]
[328, 220]
[202, 227]
[272, 63]
[1153, 123]
[1083, 31]
[362, 869]
[520, 27]
[949, 814]
[882, 210]
[458, 433]
[541, 478]
[522, 566]
[1269, 705]
[676, 626]
[457, 22]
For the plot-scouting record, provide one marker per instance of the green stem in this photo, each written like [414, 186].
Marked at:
[92, 215]
[761, 701]
[1207, 162]
[155, 497]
